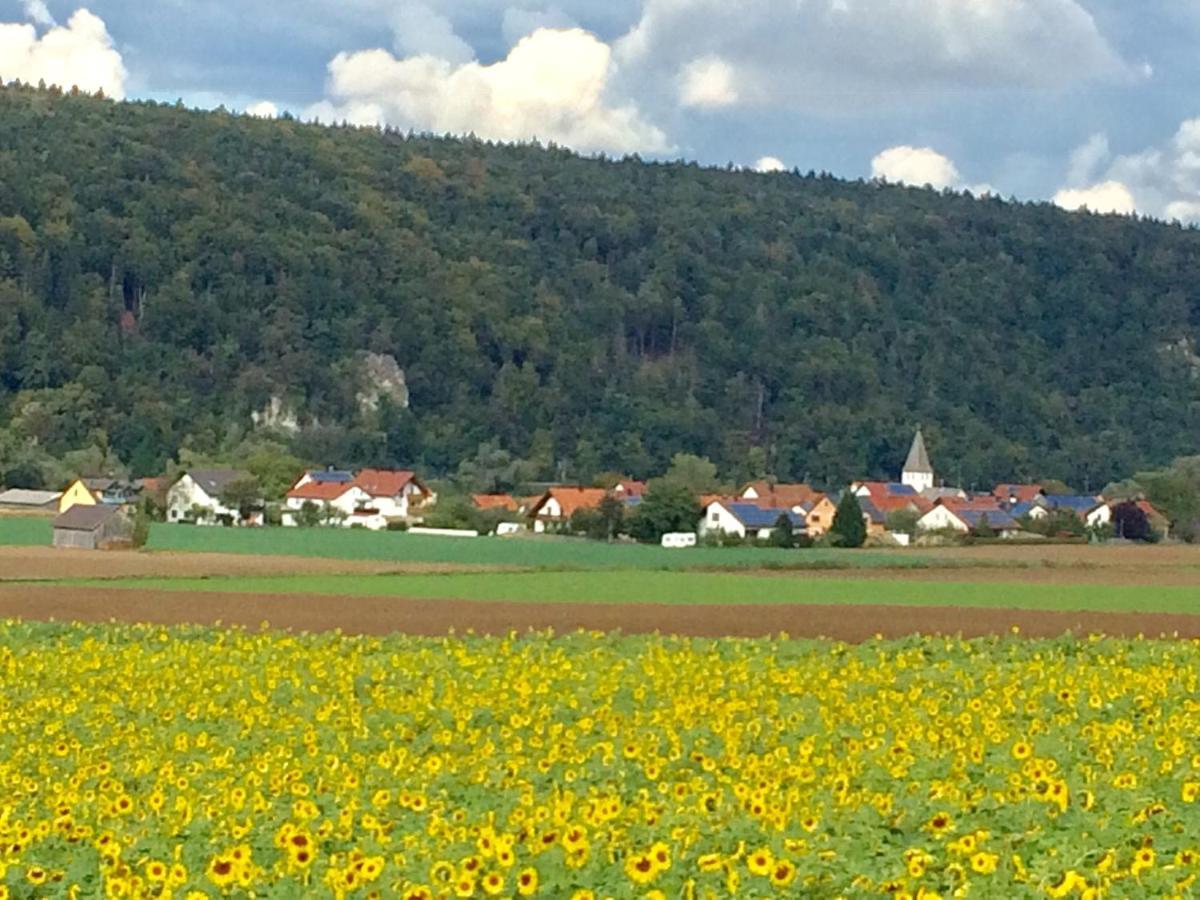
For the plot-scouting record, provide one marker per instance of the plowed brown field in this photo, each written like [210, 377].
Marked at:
[383, 615]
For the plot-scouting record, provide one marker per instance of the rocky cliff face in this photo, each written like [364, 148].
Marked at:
[381, 377]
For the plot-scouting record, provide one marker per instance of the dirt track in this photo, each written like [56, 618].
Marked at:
[383, 615]
[48, 563]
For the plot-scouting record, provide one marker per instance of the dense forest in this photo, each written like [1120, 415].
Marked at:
[174, 281]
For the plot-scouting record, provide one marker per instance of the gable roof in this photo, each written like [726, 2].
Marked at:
[780, 496]
[494, 501]
[996, 518]
[386, 482]
[571, 499]
[631, 487]
[97, 485]
[1019, 493]
[23, 497]
[1077, 503]
[331, 476]
[326, 491]
[751, 515]
[888, 489]
[1148, 508]
[85, 518]
[214, 481]
[918, 457]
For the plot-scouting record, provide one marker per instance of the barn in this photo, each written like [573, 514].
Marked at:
[92, 528]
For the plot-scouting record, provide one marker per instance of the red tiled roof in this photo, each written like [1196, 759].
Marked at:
[316, 490]
[1021, 493]
[384, 482]
[571, 499]
[1148, 508]
[494, 501]
[631, 487]
[782, 496]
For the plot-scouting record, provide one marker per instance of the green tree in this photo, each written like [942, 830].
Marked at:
[244, 495]
[903, 521]
[666, 508]
[849, 527]
[697, 474]
[784, 533]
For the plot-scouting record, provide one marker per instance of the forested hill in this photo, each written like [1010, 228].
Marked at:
[164, 274]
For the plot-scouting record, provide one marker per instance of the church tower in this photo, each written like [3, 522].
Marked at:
[918, 471]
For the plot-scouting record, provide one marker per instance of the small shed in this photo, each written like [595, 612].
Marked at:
[92, 528]
[31, 501]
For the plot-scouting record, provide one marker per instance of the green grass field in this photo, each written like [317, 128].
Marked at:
[526, 553]
[22, 531]
[698, 588]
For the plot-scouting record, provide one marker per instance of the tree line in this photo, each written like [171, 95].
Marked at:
[169, 277]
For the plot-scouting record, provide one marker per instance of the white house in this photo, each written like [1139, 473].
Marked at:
[966, 519]
[337, 501]
[396, 495]
[196, 497]
[733, 519]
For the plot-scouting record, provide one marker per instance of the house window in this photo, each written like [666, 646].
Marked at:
[715, 518]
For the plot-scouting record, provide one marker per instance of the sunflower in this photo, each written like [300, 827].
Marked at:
[527, 882]
[493, 884]
[1142, 860]
[984, 863]
[640, 868]
[760, 861]
[783, 873]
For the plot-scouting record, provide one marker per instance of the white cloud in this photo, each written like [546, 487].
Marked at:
[1159, 181]
[1087, 160]
[419, 30]
[831, 55]
[707, 82]
[80, 53]
[38, 12]
[554, 85]
[770, 164]
[1105, 197]
[917, 166]
[264, 109]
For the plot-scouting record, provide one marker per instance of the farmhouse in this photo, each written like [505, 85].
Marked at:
[555, 507]
[21, 500]
[969, 517]
[197, 498]
[396, 495]
[324, 502]
[1093, 510]
[816, 506]
[92, 528]
[734, 518]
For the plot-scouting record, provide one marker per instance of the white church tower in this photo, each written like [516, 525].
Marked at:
[918, 471]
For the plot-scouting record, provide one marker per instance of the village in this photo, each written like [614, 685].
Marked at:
[916, 508]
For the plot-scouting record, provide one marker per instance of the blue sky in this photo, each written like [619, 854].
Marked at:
[1091, 102]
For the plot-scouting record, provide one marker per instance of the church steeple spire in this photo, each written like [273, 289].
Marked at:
[918, 470]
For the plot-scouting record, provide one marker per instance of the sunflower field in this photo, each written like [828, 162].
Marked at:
[192, 763]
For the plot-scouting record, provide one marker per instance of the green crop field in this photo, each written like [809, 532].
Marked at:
[527, 553]
[23, 531]
[698, 588]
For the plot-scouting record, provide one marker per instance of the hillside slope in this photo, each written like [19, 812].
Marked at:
[165, 274]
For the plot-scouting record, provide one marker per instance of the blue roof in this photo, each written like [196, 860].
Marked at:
[1024, 509]
[1074, 502]
[901, 490]
[1001, 521]
[757, 517]
[871, 511]
[331, 476]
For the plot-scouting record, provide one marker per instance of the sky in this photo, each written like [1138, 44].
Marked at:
[1088, 103]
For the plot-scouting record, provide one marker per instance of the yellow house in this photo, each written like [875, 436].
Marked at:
[78, 494]
[820, 517]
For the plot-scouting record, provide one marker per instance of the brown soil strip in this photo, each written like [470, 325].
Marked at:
[48, 563]
[385, 615]
[1140, 576]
